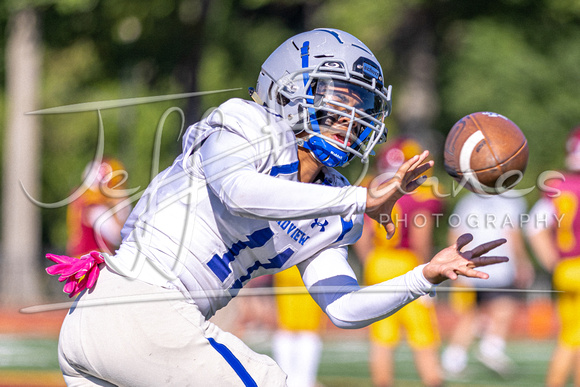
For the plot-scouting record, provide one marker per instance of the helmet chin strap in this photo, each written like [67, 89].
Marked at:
[326, 153]
[255, 96]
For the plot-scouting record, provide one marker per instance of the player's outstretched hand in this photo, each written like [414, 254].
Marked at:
[381, 199]
[451, 262]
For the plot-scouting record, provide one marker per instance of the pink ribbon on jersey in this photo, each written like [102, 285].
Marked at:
[79, 273]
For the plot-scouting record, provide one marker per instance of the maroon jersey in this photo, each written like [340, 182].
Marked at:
[567, 208]
[407, 212]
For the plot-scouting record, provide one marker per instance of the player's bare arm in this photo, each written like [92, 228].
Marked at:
[451, 262]
[380, 200]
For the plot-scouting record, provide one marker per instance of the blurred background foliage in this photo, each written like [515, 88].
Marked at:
[444, 58]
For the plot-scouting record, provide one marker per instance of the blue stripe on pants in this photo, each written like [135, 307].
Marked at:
[233, 362]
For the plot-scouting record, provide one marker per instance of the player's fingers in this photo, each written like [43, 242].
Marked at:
[409, 171]
[472, 273]
[390, 229]
[415, 183]
[420, 159]
[462, 241]
[414, 178]
[450, 274]
[412, 174]
[488, 260]
[411, 164]
[488, 246]
[421, 169]
[468, 270]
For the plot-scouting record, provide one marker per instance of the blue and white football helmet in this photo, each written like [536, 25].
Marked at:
[318, 78]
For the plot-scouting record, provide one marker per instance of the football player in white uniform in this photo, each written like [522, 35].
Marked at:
[253, 192]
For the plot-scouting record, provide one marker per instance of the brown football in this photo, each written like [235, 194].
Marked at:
[486, 152]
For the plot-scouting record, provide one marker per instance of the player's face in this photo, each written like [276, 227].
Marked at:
[338, 100]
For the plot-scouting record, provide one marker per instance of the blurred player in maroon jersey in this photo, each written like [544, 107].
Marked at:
[384, 259]
[554, 234]
[92, 222]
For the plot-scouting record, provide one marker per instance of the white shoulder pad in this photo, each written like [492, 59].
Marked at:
[245, 118]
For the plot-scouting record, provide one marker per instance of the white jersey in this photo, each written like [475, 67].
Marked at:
[230, 208]
[490, 217]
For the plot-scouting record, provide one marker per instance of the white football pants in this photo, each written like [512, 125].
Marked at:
[115, 335]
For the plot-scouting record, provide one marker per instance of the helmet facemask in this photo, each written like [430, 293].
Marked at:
[341, 112]
[349, 117]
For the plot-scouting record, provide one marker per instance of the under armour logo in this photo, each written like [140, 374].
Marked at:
[320, 224]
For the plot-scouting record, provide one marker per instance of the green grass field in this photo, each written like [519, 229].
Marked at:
[344, 363]
[32, 362]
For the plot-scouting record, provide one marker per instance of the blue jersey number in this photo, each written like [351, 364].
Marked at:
[220, 265]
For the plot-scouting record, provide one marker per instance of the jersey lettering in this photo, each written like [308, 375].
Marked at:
[293, 231]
